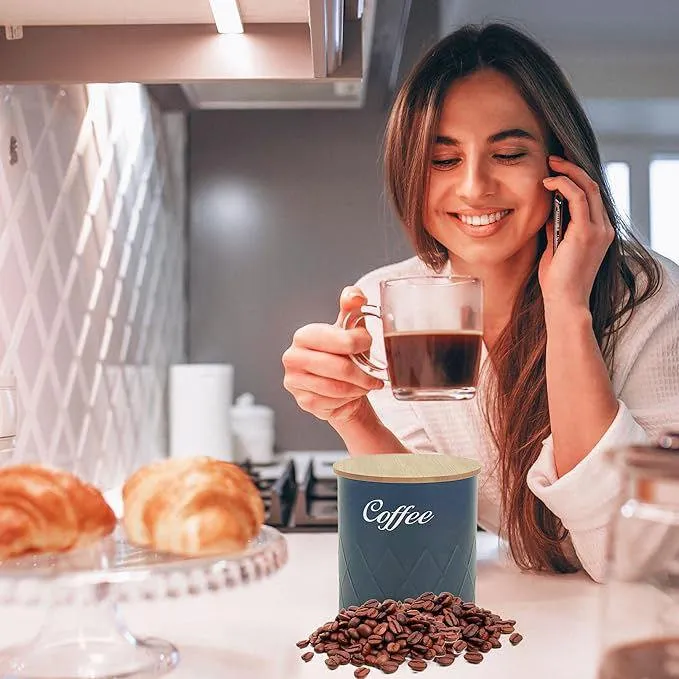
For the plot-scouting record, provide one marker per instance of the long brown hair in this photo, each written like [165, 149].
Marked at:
[516, 405]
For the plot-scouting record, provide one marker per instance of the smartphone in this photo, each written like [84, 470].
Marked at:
[559, 218]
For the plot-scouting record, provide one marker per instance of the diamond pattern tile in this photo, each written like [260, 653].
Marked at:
[91, 289]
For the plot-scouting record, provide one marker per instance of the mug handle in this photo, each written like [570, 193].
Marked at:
[362, 360]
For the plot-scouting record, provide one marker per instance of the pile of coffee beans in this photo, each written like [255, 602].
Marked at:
[386, 634]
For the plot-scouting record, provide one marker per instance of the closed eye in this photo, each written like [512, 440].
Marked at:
[445, 163]
[509, 157]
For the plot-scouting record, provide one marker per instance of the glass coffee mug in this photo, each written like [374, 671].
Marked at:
[639, 627]
[433, 334]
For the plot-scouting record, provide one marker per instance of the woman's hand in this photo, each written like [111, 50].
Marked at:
[567, 276]
[319, 373]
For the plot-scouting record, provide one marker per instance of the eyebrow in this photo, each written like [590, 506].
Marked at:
[513, 133]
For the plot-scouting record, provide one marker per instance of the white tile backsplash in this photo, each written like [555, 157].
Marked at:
[92, 306]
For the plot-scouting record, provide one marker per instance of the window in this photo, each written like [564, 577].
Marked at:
[664, 187]
[617, 174]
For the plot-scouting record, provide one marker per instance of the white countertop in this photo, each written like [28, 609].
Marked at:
[250, 633]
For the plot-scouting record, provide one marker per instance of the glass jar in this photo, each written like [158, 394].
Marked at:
[640, 613]
[8, 418]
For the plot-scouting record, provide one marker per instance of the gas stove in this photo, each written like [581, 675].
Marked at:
[299, 491]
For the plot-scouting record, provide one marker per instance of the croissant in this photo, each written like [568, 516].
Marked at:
[192, 507]
[48, 510]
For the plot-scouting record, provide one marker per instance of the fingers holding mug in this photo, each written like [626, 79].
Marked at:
[355, 318]
[351, 299]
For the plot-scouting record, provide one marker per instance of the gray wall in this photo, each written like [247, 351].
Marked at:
[286, 208]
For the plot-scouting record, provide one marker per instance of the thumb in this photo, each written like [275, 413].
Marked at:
[351, 299]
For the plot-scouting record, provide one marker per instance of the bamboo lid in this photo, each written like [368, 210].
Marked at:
[407, 468]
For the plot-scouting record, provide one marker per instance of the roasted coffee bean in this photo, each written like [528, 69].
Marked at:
[450, 619]
[415, 638]
[430, 627]
[444, 660]
[381, 628]
[470, 631]
[364, 630]
[417, 665]
[474, 657]
[515, 639]
[361, 672]
[307, 656]
[394, 625]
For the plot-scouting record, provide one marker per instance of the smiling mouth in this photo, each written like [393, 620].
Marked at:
[481, 220]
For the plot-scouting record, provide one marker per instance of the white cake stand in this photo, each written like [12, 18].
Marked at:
[84, 635]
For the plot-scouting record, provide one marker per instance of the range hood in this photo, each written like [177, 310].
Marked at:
[291, 53]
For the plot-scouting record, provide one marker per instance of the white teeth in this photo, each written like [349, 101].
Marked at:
[483, 220]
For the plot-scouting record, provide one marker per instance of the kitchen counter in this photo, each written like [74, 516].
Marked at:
[250, 633]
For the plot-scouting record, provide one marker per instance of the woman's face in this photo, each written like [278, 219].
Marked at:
[486, 201]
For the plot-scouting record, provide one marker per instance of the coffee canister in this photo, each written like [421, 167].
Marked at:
[407, 525]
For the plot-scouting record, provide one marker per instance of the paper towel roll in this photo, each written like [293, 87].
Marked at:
[200, 402]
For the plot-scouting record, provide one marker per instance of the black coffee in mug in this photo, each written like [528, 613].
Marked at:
[652, 659]
[433, 334]
[433, 359]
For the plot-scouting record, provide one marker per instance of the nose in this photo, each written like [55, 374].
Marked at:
[476, 181]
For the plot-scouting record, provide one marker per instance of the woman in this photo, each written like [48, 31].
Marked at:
[581, 346]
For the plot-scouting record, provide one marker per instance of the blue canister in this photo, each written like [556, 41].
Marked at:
[407, 525]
